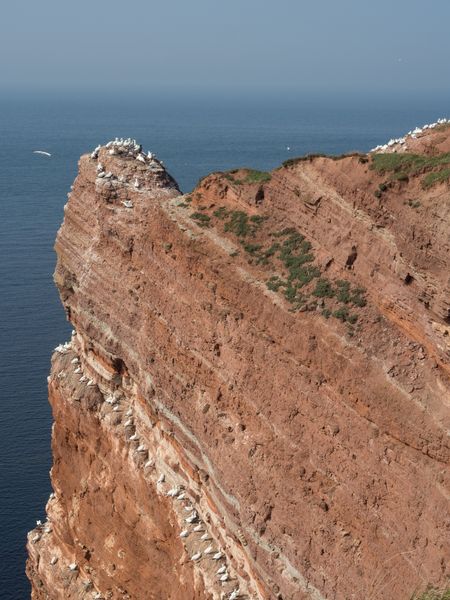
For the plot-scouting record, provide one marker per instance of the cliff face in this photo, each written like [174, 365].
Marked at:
[257, 387]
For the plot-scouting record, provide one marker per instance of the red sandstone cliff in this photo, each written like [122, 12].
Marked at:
[267, 357]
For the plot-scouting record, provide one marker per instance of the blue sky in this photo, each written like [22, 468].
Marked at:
[325, 45]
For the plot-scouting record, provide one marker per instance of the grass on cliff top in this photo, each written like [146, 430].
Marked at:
[433, 594]
[251, 176]
[401, 165]
[309, 157]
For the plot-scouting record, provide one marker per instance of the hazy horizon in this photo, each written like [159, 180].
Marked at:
[384, 48]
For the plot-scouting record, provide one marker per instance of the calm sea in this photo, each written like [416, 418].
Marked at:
[193, 136]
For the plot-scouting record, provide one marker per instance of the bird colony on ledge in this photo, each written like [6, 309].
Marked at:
[392, 143]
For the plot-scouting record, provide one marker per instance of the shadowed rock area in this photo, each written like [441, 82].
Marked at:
[255, 400]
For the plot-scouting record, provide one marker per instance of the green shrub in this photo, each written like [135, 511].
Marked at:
[201, 219]
[221, 212]
[433, 594]
[323, 289]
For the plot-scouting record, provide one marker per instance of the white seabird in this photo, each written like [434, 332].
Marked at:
[181, 496]
[73, 566]
[218, 555]
[161, 478]
[54, 560]
[192, 518]
[221, 570]
[43, 152]
[196, 556]
[198, 527]
[205, 536]
[184, 533]
[224, 577]
[127, 203]
[208, 550]
[234, 594]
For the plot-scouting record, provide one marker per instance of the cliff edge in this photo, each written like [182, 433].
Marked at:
[255, 399]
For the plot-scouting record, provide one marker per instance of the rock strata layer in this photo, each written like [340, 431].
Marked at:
[255, 399]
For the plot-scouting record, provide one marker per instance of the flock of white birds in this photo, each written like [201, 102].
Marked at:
[413, 134]
[195, 527]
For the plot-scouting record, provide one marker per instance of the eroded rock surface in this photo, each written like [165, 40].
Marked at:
[255, 399]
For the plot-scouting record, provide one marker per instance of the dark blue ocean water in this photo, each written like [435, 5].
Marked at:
[193, 136]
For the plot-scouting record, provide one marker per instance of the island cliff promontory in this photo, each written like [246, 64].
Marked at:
[255, 399]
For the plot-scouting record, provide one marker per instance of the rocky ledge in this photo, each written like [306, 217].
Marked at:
[254, 402]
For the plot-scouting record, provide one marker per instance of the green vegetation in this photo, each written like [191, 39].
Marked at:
[221, 213]
[436, 177]
[413, 203]
[309, 157]
[291, 256]
[323, 289]
[433, 594]
[241, 224]
[402, 166]
[251, 176]
[201, 219]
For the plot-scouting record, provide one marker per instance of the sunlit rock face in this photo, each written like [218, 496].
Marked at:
[255, 399]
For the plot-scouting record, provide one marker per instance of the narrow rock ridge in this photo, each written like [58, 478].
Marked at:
[255, 400]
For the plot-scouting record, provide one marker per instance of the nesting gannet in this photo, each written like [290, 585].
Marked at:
[192, 518]
[218, 555]
[161, 478]
[54, 560]
[208, 550]
[149, 463]
[129, 412]
[83, 378]
[77, 370]
[141, 448]
[234, 594]
[39, 523]
[184, 533]
[134, 437]
[224, 577]
[116, 408]
[181, 496]
[75, 360]
[35, 538]
[90, 382]
[141, 158]
[127, 203]
[198, 527]
[43, 152]
[128, 423]
[100, 168]
[205, 536]
[173, 492]
[196, 556]
[136, 184]
[221, 570]
[73, 566]
[189, 508]
[101, 174]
